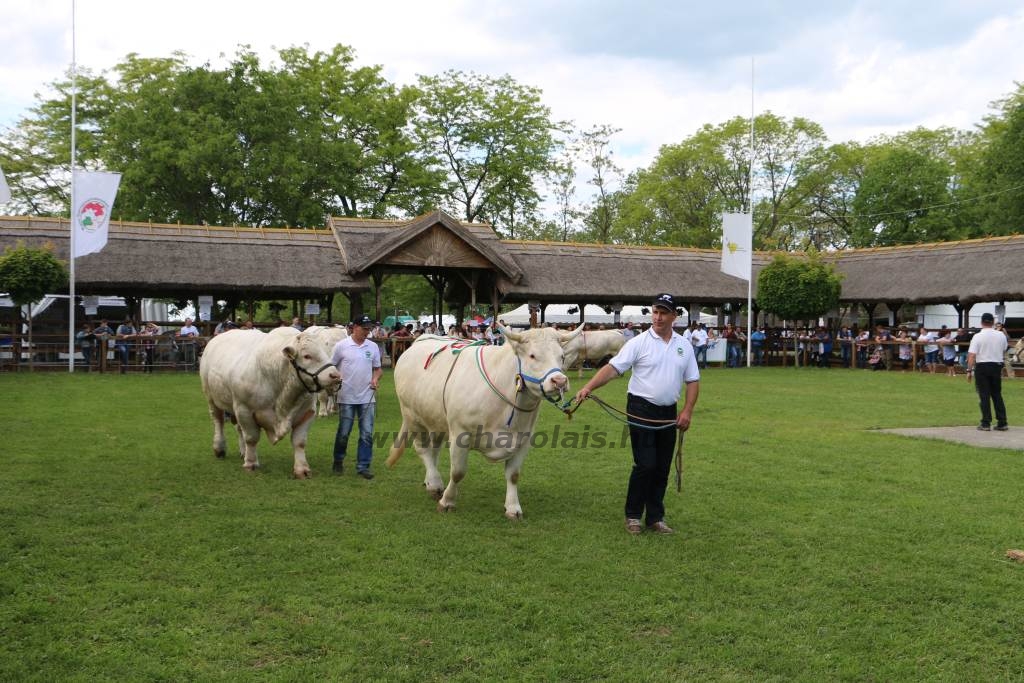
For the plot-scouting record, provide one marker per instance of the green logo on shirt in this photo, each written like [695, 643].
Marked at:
[679, 350]
[368, 355]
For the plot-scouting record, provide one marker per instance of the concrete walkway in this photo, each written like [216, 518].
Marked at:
[1012, 439]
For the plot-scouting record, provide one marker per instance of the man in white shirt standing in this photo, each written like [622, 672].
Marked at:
[985, 365]
[358, 360]
[662, 363]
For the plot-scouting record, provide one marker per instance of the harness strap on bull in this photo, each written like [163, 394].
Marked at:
[456, 346]
[519, 386]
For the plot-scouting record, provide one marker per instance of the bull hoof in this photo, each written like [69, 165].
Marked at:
[302, 474]
[445, 507]
[219, 454]
[437, 494]
[514, 516]
[251, 468]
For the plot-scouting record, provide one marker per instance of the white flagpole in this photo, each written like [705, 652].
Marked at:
[71, 213]
[750, 278]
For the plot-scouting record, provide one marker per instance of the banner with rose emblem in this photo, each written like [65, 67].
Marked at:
[93, 193]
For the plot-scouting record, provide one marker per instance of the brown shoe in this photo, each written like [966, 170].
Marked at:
[634, 527]
[660, 528]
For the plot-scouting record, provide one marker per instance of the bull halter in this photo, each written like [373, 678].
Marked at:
[300, 371]
[520, 378]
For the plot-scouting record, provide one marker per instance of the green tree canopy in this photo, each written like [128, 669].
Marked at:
[493, 139]
[28, 274]
[798, 288]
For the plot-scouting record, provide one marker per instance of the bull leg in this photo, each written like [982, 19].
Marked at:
[217, 415]
[250, 434]
[512, 468]
[299, 431]
[429, 449]
[241, 441]
[459, 456]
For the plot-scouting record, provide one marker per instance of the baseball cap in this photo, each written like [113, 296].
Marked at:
[363, 321]
[666, 301]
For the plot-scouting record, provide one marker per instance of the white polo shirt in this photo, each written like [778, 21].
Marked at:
[988, 346]
[659, 368]
[356, 363]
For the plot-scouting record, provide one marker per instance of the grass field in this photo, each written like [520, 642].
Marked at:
[808, 547]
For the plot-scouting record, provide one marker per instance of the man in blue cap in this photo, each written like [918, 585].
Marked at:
[663, 362]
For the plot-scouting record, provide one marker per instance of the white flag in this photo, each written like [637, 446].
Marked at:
[5, 190]
[737, 237]
[94, 194]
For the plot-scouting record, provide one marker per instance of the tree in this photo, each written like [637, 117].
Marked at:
[677, 199]
[594, 147]
[822, 218]
[798, 288]
[250, 144]
[902, 198]
[27, 275]
[1000, 173]
[492, 138]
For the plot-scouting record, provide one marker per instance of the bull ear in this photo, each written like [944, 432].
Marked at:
[509, 334]
[289, 352]
[566, 337]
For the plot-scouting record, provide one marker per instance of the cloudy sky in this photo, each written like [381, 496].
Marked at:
[656, 69]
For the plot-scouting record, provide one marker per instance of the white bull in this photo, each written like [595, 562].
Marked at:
[471, 400]
[1018, 350]
[593, 346]
[325, 402]
[267, 382]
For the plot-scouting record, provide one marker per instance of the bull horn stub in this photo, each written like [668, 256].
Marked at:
[509, 334]
[566, 337]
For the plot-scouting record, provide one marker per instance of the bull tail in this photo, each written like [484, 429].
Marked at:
[401, 440]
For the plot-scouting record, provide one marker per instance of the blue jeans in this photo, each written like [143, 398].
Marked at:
[733, 352]
[702, 355]
[347, 415]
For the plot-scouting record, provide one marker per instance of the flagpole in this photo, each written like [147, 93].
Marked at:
[71, 212]
[750, 207]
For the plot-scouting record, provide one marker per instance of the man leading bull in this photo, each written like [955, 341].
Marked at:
[662, 362]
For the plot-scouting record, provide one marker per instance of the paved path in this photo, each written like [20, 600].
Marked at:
[1013, 439]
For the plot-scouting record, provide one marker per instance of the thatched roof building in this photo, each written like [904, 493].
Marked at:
[170, 261]
[466, 260]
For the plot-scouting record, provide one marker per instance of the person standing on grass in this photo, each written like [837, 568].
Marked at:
[985, 359]
[358, 360]
[662, 363]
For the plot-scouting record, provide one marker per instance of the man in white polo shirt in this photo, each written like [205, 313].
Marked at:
[662, 363]
[358, 360]
[985, 365]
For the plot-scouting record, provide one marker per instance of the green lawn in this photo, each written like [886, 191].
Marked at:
[808, 547]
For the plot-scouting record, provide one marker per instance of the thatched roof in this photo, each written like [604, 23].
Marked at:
[155, 260]
[602, 273]
[143, 259]
[967, 271]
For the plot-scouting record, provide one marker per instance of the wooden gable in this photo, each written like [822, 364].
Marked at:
[436, 247]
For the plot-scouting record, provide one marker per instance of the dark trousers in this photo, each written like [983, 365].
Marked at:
[652, 461]
[988, 380]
